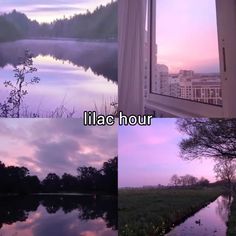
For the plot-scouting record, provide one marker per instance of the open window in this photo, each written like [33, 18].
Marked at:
[190, 58]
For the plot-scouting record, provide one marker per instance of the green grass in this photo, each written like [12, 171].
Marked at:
[155, 211]
[232, 219]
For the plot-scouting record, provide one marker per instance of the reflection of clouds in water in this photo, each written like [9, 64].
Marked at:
[24, 228]
[62, 222]
[62, 225]
[44, 224]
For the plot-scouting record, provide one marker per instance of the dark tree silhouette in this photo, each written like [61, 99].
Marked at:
[69, 183]
[214, 138]
[225, 170]
[110, 177]
[14, 179]
[51, 183]
[203, 182]
[32, 184]
[89, 180]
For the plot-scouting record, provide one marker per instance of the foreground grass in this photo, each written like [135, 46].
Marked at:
[155, 211]
[232, 219]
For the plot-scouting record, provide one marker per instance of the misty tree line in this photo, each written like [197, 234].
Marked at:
[89, 179]
[100, 24]
[188, 180]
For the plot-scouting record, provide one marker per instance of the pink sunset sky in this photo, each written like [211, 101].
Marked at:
[150, 155]
[55, 145]
[187, 35]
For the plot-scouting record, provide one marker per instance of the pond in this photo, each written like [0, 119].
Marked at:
[209, 221]
[77, 75]
[60, 215]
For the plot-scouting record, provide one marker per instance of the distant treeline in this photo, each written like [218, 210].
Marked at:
[89, 180]
[188, 180]
[8, 31]
[100, 24]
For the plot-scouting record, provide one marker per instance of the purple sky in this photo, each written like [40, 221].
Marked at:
[187, 35]
[47, 11]
[150, 155]
[55, 145]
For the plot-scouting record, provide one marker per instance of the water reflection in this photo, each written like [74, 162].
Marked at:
[58, 215]
[223, 207]
[80, 75]
[209, 221]
[101, 57]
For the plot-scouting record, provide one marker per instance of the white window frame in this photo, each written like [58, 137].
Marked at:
[163, 105]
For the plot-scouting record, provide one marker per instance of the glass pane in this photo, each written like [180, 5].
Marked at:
[186, 60]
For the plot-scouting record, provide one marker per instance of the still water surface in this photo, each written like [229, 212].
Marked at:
[209, 221]
[79, 75]
[58, 215]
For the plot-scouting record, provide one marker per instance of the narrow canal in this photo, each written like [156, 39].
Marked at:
[209, 221]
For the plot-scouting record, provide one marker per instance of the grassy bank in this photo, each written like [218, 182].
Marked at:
[156, 211]
[232, 219]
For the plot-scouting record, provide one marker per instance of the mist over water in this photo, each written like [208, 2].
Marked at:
[79, 75]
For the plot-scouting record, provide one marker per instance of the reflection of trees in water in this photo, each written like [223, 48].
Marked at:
[223, 206]
[100, 57]
[14, 209]
[101, 208]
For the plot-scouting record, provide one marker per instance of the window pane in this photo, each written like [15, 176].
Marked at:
[186, 57]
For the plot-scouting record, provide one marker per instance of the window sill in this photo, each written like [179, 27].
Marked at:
[173, 107]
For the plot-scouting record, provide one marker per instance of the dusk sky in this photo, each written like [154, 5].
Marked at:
[47, 11]
[150, 155]
[55, 145]
[187, 35]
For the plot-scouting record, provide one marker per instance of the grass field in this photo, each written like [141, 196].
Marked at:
[155, 211]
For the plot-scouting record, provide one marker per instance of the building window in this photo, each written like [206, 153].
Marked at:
[191, 78]
[185, 51]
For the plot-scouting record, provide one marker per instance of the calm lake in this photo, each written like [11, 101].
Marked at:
[61, 215]
[209, 221]
[79, 75]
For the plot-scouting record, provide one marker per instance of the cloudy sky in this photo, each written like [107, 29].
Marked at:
[58, 146]
[187, 35]
[47, 11]
[150, 155]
